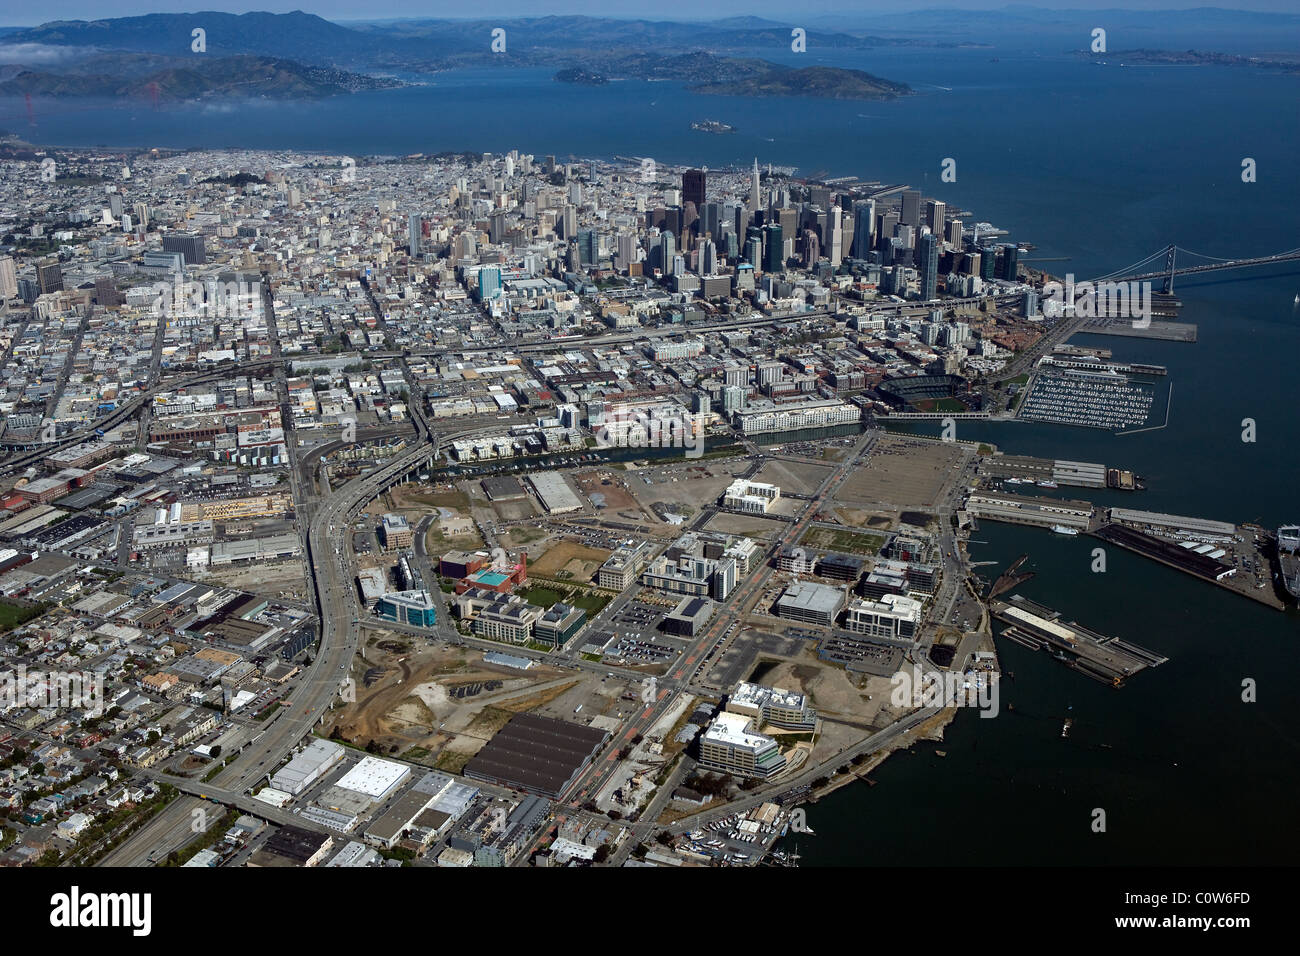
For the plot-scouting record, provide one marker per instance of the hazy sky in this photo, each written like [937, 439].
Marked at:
[15, 14]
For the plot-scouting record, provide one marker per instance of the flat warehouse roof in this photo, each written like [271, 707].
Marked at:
[535, 753]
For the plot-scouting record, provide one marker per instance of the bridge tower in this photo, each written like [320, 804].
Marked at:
[1169, 269]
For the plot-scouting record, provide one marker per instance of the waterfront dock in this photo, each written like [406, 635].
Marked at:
[1103, 658]
[1158, 329]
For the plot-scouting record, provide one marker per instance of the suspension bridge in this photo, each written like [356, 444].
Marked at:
[1200, 263]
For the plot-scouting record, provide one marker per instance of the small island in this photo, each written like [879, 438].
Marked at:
[826, 82]
[712, 126]
[574, 74]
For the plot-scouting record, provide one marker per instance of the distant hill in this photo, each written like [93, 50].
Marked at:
[232, 76]
[300, 54]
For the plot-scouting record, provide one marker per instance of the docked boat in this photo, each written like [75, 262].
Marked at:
[1048, 484]
[1062, 529]
[1065, 728]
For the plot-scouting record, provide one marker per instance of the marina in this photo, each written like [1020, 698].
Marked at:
[1090, 399]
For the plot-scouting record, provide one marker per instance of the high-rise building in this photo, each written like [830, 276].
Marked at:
[667, 252]
[988, 263]
[1010, 262]
[413, 231]
[106, 292]
[927, 251]
[935, 212]
[569, 222]
[711, 220]
[833, 236]
[755, 199]
[693, 182]
[626, 250]
[191, 248]
[8, 278]
[588, 247]
[773, 248]
[811, 249]
[864, 225]
[49, 276]
[910, 213]
[489, 283]
[708, 258]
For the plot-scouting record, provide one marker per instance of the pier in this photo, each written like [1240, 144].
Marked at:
[1107, 659]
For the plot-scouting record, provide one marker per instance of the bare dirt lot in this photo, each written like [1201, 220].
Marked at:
[907, 472]
[569, 561]
[436, 704]
[801, 478]
[747, 525]
[281, 578]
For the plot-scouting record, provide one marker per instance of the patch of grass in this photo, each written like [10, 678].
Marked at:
[591, 602]
[12, 615]
[542, 596]
[451, 761]
[848, 542]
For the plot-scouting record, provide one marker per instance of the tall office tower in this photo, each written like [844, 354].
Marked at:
[489, 283]
[496, 227]
[414, 232]
[693, 181]
[510, 166]
[679, 265]
[575, 193]
[708, 258]
[910, 215]
[711, 220]
[819, 196]
[673, 220]
[754, 251]
[550, 165]
[888, 225]
[1010, 262]
[934, 216]
[49, 276]
[690, 216]
[755, 199]
[773, 248]
[970, 263]
[106, 293]
[834, 236]
[811, 249]
[864, 226]
[906, 236]
[729, 244]
[569, 222]
[988, 263]
[954, 234]
[190, 247]
[140, 212]
[588, 247]
[572, 258]
[788, 220]
[928, 254]
[626, 249]
[8, 278]
[738, 218]
[115, 205]
[667, 252]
